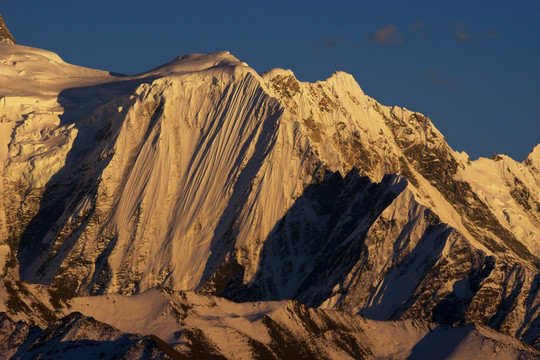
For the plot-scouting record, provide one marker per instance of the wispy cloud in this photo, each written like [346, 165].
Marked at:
[461, 36]
[388, 35]
[418, 26]
[437, 81]
[460, 33]
[331, 43]
[391, 35]
[493, 35]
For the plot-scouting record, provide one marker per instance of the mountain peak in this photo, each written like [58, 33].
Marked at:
[272, 73]
[199, 62]
[5, 35]
[533, 159]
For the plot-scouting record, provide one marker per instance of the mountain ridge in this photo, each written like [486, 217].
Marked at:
[202, 326]
[203, 175]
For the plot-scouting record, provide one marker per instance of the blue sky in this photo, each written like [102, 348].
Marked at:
[471, 66]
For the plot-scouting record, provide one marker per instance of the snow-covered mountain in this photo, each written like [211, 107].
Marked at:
[184, 325]
[203, 175]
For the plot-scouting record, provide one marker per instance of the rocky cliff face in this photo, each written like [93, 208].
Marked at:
[203, 175]
[5, 35]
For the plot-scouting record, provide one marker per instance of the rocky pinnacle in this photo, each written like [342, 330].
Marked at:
[5, 35]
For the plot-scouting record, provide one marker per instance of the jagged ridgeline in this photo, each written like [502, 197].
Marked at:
[203, 175]
[185, 325]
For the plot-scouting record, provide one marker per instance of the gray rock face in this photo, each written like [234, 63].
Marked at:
[5, 35]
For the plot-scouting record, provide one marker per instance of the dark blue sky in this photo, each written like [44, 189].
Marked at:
[471, 66]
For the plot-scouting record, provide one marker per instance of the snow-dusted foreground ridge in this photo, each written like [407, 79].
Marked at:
[202, 175]
[208, 327]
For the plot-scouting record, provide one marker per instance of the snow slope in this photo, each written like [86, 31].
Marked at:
[289, 330]
[204, 175]
[198, 326]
